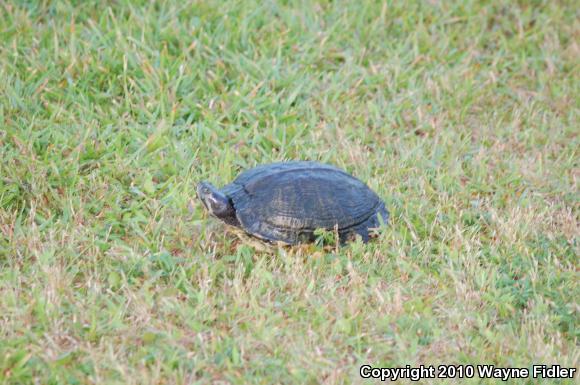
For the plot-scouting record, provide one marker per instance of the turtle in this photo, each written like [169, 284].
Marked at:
[286, 202]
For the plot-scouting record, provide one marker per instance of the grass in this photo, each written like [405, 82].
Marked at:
[463, 115]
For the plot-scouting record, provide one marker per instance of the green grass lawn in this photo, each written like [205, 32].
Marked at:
[462, 115]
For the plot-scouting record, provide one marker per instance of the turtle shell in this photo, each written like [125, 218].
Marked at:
[288, 201]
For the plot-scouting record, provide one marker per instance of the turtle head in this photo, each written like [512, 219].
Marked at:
[216, 202]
